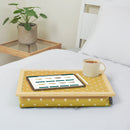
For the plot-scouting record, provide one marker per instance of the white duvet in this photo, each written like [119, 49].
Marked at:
[116, 117]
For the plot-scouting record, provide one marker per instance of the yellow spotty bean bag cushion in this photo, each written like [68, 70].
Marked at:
[98, 92]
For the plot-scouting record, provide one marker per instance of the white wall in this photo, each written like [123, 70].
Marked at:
[61, 25]
[9, 31]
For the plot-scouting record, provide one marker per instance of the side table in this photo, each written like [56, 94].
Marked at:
[19, 50]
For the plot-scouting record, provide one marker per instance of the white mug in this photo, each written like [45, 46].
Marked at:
[92, 67]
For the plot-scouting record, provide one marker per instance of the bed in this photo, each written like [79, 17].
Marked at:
[105, 118]
[115, 117]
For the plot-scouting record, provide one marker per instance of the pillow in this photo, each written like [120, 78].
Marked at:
[111, 38]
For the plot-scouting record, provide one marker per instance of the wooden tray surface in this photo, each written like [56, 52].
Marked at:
[97, 86]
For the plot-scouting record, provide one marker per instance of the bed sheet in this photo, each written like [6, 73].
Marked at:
[12, 117]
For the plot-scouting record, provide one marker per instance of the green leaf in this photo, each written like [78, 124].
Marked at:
[31, 13]
[15, 20]
[43, 15]
[5, 21]
[27, 26]
[18, 11]
[30, 7]
[17, 16]
[13, 4]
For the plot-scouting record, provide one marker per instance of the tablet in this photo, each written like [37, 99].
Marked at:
[61, 81]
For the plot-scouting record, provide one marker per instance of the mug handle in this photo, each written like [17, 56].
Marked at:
[102, 71]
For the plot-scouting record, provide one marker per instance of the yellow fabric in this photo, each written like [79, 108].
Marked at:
[63, 102]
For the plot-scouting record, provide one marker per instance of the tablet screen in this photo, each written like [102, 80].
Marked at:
[55, 81]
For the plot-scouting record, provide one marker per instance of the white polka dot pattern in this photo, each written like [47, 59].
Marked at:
[28, 99]
[101, 99]
[89, 100]
[65, 99]
[77, 99]
[97, 84]
[39, 102]
[53, 99]
[40, 99]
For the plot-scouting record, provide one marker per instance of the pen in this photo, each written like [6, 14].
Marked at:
[82, 78]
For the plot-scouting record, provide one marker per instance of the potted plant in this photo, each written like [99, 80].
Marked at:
[25, 18]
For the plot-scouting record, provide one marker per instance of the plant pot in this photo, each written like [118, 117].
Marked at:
[27, 37]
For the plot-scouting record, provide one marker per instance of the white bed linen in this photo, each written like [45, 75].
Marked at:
[12, 117]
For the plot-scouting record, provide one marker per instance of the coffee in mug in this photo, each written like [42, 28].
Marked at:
[92, 67]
